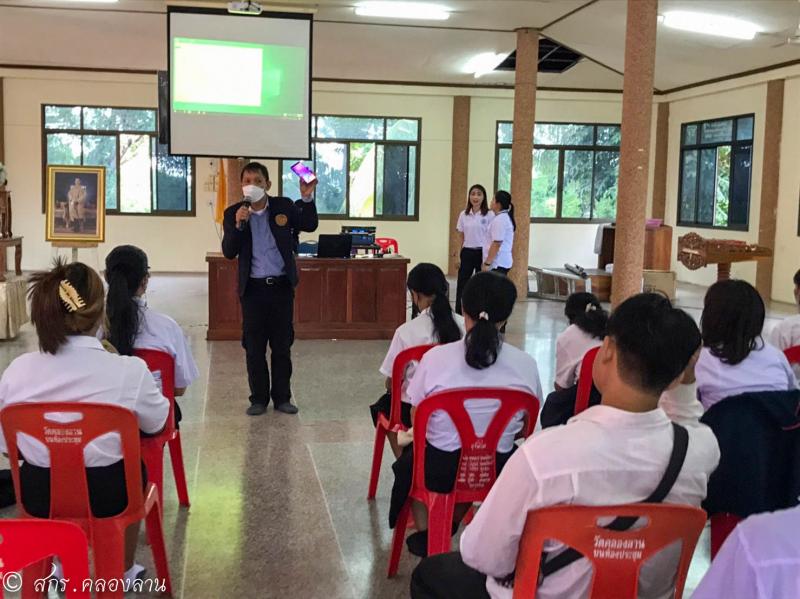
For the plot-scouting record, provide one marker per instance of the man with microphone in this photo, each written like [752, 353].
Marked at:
[260, 230]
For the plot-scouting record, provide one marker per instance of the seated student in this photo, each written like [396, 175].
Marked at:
[611, 454]
[71, 366]
[132, 325]
[786, 333]
[481, 359]
[734, 358]
[759, 560]
[587, 327]
[436, 323]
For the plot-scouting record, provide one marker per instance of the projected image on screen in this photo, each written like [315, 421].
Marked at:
[270, 79]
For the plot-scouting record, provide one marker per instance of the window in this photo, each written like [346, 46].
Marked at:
[368, 167]
[716, 163]
[141, 176]
[575, 170]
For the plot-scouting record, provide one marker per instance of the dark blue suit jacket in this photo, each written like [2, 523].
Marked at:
[296, 216]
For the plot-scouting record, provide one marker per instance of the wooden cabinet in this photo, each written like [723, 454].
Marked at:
[336, 298]
[657, 248]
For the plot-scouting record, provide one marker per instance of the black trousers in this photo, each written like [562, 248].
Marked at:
[267, 315]
[501, 271]
[446, 576]
[471, 262]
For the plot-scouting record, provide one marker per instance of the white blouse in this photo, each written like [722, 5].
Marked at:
[501, 230]
[571, 345]
[444, 368]
[475, 227]
[82, 371]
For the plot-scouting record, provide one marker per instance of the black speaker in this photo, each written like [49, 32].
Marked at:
[163, 107]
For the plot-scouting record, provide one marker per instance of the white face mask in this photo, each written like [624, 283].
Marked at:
[254, 192]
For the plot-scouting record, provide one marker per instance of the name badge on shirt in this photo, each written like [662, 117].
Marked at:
[281, 220]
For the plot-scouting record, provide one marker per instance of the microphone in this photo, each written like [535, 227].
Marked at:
[247, 201]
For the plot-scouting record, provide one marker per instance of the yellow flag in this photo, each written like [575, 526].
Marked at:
[222, 193]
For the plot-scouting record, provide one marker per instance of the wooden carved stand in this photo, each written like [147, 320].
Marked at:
[696, 252]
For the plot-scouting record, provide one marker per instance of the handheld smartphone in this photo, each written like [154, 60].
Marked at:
[302, 171]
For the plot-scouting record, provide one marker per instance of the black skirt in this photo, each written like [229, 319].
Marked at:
[107, 491]
[384, 406]
[441, 468]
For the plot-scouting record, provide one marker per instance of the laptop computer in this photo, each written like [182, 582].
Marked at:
[334, 246]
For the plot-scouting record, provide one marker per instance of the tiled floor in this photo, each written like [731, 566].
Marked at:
[278, 502]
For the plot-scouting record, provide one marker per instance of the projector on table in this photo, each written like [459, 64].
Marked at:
[244, 7]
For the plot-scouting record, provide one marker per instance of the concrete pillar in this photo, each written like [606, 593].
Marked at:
[522, 151]
[660, 163]
[770, 178]
[459, 182]
[637, 102]
[2, 125]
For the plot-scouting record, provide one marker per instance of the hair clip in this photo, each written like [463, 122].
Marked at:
[590, 308]
[483, 316]
[70, 297]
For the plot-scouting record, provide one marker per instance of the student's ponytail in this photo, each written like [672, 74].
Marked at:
[488, 300]
[66, 300]
[429, 280]
[504, 199]
[584, 311]
[126, 270]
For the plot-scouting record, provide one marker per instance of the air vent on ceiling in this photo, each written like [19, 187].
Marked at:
[553, 58]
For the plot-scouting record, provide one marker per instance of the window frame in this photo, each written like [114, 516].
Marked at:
[114, 133]
[562, 149]
[346, 141]
[698, 146]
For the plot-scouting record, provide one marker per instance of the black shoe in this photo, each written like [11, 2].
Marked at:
[417, 543]
[256, 409]
[286, 407]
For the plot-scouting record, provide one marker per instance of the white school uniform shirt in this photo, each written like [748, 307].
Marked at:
[681, 404]
[444, 367]
[571, 345]
[417, 331]
[82, 371]
[764, 369]
[602, 456]
[786, 334]
[759, 560]
[160, 332]
[501, 230]
[475, 227]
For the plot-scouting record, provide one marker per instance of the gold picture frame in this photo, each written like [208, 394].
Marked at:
[76, 204]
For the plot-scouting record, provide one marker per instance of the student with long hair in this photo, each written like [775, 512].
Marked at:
[786, 333]
[132, 325]
[497, 253]
[436, 323]
[72, 367]
[734, 358]
[473, 228]
[481, 359]
[587, 328]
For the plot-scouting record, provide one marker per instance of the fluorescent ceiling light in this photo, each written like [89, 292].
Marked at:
[93, 1]
[710, 24]
[403, 10]
[484, 63]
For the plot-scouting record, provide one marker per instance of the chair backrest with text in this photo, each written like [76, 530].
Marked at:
[585, 380]
[65, 441]
[162, 365]
[477, 469]
[399, 367]
[386, 243]
[617, 556]
[792, 354]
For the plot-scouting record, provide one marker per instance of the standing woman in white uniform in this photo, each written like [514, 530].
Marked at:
[473, 226]
[500, 242]
[72, 367]
[132, 325]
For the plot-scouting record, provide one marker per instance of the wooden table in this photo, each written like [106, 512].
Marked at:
[560, 283]
[356, 298]
[16, 242]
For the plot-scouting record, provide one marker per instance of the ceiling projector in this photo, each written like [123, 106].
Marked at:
[244, 7]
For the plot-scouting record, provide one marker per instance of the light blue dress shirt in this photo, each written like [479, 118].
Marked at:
[267, 260]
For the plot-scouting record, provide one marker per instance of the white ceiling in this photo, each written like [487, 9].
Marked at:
[131, 35]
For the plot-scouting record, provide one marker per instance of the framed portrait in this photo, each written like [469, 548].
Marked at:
[76, 204]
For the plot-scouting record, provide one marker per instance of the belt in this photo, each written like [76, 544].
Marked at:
[279, 280]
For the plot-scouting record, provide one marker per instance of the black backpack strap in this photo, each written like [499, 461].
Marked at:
[680, 444]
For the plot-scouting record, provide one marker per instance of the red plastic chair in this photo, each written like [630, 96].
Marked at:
[721, 526]
[477, 468]
[386, 243]
[615, 575]
[393, 423]
[27, 542]
[792, 354]
[153, 447]
[69, 495]
[585, 381]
